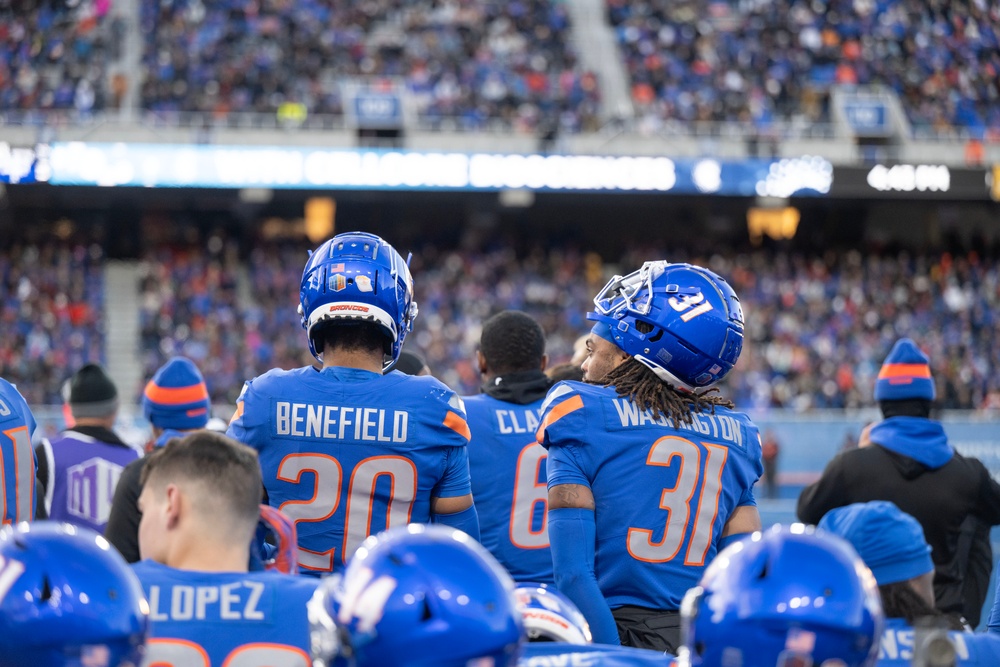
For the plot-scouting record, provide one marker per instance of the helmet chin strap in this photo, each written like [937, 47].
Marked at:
[665, 375]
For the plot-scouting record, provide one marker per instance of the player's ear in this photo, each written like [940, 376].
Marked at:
[173, 504]
[481, 362]
[545, 362]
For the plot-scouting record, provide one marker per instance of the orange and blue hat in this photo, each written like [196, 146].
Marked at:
[905, 374]
[177, 397]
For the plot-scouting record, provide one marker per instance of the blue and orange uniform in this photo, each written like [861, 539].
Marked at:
[17, 458]
[508, 474]
[663, 493]
[206, 619]
[347, 453]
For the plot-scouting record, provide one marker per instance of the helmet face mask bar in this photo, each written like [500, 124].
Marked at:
[620, 291]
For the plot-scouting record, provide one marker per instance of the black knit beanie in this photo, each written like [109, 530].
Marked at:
[91, 393]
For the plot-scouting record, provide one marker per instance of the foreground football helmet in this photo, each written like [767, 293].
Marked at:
[358, 277]
[683, 322]
[550, 616]
[416, 596]
[67, 599]
[788, 597]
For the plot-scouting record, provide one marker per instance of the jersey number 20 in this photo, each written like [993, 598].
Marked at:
[327, 480]
[683, 498]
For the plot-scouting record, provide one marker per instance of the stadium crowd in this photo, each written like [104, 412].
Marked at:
[474, 65]
[759, 62]
[818, 326]
[468, 64]
[52, 315]
[55, 55]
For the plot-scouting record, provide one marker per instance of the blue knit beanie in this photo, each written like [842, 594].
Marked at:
[889, 541]
[906, 374]
[176, 397]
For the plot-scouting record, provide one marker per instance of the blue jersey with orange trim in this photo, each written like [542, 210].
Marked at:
[972, 650]
[17, 457]
[555, 654]
[508, 485]
[346, 453]
[211, 619]
[663, 494]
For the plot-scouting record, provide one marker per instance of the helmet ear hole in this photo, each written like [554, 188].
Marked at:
[643, 327]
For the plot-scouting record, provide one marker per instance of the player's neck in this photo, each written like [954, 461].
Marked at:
[200, 555]
[360, 359]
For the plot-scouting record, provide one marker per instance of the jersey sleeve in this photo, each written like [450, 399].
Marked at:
[755, 465]
[249, 420]
[563, 419]
[449, 425]
[456, 481]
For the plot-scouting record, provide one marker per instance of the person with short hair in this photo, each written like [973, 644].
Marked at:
[348, 449]
[892, 545]
[79, 470]
[18, 497]
[200, 505]
[506, 463]
[175, 402]
[649, 472]
[909, 461]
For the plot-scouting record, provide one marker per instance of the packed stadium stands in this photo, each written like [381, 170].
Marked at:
[818, 325]
[760, 62]
[468, 65]
[51, 313]
[54, 56]
[514, 66]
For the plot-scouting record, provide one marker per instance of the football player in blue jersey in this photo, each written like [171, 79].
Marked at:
[506, 463]
[649, 472]
[893, 546]
[17, 457]
[346, 450]
[430, 596]
[67, 599]
[200, 505]
[791, 596]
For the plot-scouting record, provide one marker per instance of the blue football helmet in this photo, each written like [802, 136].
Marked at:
[358, 277]
[67, 599]
[550, 616]
[681, 321]
[787, 597]
[417, 596]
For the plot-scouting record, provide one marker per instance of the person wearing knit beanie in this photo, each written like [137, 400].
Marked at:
[175, 402]
[907, 459]
[889, 541]
[176, 398]
[905, 374]
[893, 546]
[91, 394]
[78, 469]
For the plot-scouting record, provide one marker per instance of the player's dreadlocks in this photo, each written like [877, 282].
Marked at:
[639, 384]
